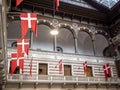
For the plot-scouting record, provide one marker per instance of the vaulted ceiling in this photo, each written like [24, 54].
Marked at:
[94, 11]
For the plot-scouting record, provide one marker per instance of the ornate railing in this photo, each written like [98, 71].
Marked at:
[47, 55]
[61, 79]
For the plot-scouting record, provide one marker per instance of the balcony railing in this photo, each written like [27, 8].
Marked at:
[60, 79]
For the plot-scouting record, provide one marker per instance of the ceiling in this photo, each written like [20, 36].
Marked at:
[89, 10]
[108, 3]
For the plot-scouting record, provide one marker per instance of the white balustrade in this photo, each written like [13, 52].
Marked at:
[60, 79]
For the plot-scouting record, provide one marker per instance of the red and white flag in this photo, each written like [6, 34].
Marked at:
[17, 60]
[56, 4]
[31, 67]
[60, 66]
[23, 46]
[28, 20]
[85, 66]
[18, 2]
[107, 71]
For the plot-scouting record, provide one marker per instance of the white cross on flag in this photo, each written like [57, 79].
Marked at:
[85, 67]
[107, 71]
[23, 46]
[60, 66]
[17, 60]
[28, 20]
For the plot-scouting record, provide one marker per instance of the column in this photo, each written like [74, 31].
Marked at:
[3, 39]
[76, 45]
[93, 44]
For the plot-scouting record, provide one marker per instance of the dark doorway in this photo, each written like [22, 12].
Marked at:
[67, 70]
[89, 72]
[43, 69]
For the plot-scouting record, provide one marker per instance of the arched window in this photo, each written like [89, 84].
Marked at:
[65, 40]
[100, 44]
[85, 45]
[14, 44]
[44, 40]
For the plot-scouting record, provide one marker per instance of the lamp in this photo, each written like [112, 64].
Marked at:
[54, 32]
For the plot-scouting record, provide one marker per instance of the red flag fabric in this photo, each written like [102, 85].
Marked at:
[23, 46]
[85, 66]
[31, 67]
[28, 20]
[18, 2]
[107, 71]
[17, 60]
[13, 64]
[60, 66]
[57, 4]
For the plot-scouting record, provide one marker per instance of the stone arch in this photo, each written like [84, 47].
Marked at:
[44, 40]
[69, 27]
[85, 44]
[66, 38]
[46, 22]
[105, 34]
[100, 43]
[85, 29]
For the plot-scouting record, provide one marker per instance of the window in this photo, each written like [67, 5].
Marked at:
[43, 70]
[89, 72]
[67, 70]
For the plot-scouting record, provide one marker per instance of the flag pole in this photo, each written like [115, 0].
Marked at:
[31, 38]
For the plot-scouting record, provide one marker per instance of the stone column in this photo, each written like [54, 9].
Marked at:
[93, 44]
[76, 45]
[3, 40]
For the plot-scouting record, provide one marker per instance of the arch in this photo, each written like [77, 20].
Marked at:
[44, 40]
[65, 39]
[100, 44]
[85, 29]
[103, 33]
[68, 27]
[46, 22]
[85, 45]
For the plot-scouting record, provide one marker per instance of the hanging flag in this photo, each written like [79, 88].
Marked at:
[60, 66]
[107, 71]
[31, 67]
[23, 46]
[85, 66]
[56, 4]
[18, 2]
[28, 20]
[17, 60]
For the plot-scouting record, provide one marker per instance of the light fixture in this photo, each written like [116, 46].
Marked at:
[54, 32]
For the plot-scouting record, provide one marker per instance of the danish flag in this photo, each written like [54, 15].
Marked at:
[17, 60]
[57, 4]
[60, 66]
[107, 71]
[18, 2]
[85, 67]
[23, 46]
[28, 20]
